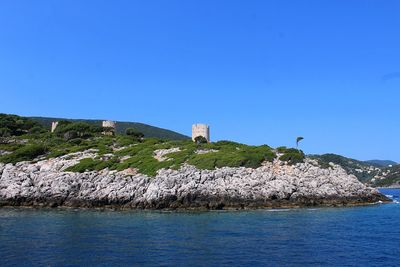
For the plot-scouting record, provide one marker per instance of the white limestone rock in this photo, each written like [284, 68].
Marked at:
[274, 184]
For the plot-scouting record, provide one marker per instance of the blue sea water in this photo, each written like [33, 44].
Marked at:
[356, 236]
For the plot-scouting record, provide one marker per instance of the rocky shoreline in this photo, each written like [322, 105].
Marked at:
[274, 185]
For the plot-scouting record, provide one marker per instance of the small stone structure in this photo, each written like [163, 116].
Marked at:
[201, 130]
[54, 125]
[111, 125]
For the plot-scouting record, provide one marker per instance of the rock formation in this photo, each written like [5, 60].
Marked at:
[45, 183]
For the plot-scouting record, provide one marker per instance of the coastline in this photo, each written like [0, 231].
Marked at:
[274, 185]
[241, 206]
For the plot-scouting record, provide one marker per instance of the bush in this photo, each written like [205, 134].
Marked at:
[89, 164]
[232, 154]
[37, 130]
[76, 141]
[292, 156]
[5, 132]
[70, 130]
[200, 140]
[16, 125]
[281, 149]
[25, 153]
[134, 133]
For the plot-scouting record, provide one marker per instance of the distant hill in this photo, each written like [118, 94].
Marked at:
[388, 177]
[381, 163]
[147, 130]
[373, 172]
[364, 171]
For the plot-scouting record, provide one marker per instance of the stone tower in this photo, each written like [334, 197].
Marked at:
[54, 125]
[111, 125]
[201, 130]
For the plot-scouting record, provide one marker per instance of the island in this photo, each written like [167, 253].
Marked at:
[79, 164]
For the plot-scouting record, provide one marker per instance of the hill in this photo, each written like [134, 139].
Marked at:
[147, 130]
[389, 177]
[376, 172]
[25, 140]
[364, 171]
[381, 163]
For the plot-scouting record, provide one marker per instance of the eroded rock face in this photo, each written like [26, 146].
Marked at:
[273, 185]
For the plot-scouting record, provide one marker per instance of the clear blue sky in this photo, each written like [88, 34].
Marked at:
[256, 71]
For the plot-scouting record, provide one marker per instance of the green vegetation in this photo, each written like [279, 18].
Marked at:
[370, 172]
[200, 140]
[12, 125]
[391, 178]
[134, 133]
[120, 152]
[90, 164]
[381, 163]
[147, 130]
[362, 170]
[291, 155]
[24, 153]
[71, 130]
[140, 155]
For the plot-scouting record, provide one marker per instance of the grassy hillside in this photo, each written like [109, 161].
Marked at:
[121, 152]
[25, 139]
[147, 130]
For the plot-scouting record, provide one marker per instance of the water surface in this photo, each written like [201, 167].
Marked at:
[357, 236]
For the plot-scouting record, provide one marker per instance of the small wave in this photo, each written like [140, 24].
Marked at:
[389, 196]
[279, 210]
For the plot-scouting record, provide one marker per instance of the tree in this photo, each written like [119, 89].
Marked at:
[200, 140]
[71, 130]
[37, 130]
[134, 133]
[5, 132]
[15, 125]
[298, 140]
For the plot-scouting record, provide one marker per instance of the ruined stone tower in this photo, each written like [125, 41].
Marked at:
[54, 125]
[201, 130]
[111, 125]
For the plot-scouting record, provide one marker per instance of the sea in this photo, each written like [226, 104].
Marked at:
[352, 236]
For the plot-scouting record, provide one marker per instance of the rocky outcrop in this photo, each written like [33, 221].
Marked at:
[276, 184]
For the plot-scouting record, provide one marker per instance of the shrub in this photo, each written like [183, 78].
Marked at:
[76, 141]
[134, 133]
[232, 154]
[293, 156]
[70, 135]
[90, 164]
[5, 132]
[87, 164]
[200, 140]
[16, 125]
[37, 130]
[25, 153]
[281, 149]
[70, 130]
